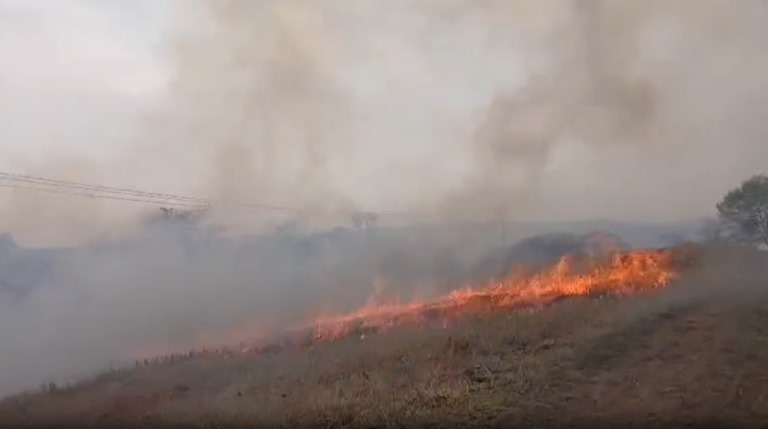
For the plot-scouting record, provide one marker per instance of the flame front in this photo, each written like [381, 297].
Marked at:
[624, 273]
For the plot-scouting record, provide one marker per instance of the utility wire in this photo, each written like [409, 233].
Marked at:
[108, 197]
[41, 184]
[98, 188]
[97, 191]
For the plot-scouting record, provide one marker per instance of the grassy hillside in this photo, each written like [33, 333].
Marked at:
[693, 353]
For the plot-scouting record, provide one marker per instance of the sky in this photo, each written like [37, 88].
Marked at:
[397, 94]
[76, 78]
[77, 64]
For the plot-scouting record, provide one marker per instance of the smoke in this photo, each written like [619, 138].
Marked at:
[455, 110]
[255, 102]
[172, 289]
[444, 110]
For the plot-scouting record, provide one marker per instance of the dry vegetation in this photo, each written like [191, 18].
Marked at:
[694, 353]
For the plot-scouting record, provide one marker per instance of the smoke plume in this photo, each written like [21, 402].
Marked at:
[441, 110]
[471, 109]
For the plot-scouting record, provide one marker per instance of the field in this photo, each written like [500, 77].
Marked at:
[692, 353]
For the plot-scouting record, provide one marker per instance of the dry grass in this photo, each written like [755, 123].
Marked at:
[674, 357]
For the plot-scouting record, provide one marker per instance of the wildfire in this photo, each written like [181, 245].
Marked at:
[623, 273]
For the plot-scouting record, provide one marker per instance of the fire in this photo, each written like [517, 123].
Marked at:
[623, 273]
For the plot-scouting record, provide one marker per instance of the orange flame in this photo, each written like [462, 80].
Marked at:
[623, 273]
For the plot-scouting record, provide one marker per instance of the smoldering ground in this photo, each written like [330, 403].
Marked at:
[444, 110]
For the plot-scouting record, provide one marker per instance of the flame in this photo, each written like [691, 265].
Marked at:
[623, 273]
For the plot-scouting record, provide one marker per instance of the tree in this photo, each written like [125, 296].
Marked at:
[744, 211]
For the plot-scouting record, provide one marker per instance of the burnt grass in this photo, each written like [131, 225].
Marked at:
[692, 354]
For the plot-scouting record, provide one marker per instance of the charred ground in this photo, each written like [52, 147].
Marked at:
[692, 353]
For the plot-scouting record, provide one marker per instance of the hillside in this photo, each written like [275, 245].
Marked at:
[693, 353]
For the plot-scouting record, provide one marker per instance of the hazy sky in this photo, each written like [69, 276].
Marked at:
[75, 78]
[74, 70]
[78, 79]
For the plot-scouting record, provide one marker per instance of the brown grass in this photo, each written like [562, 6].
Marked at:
[680, 356]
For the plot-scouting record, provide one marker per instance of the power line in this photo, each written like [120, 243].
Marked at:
[108, 192]
[64, 187]
[98, 188]
[108, 197]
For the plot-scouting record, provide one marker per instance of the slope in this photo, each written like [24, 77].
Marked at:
[692, 353]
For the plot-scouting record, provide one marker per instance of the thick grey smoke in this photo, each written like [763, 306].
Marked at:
[471, 109]
[449, 110]
[445, 110]
[69, 313]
